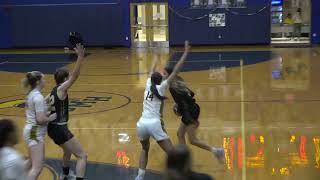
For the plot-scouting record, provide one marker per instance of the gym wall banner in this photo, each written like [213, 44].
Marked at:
[217, 20]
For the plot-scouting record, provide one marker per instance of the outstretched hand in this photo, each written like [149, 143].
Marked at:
[80, 50]
[187, 46]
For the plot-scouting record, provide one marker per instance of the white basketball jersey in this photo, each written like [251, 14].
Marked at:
[152, 106]
[35, 103]
[11, 165]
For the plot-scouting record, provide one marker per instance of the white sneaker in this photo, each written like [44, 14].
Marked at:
[63, 177]
[71, 176]
[138, 178]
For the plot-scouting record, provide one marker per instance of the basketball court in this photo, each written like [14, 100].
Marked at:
[261, 106]
[256, 83]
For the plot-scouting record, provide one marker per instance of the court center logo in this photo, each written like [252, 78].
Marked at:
[80, 102]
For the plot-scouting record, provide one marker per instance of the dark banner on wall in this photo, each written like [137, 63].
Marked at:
[218, 3]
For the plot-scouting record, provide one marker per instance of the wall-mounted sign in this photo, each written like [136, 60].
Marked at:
[218, 3]
[217, 20]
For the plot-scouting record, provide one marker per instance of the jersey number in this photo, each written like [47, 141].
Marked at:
[51, 103]
[149, 96]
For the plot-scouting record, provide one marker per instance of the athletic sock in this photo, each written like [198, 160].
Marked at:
[66, 170]
[213, 149]
[141, 173]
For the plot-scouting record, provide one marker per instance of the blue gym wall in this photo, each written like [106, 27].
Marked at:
[239, 29]
[315, 22]
[39, 23]
[4, 29]
[43, 23]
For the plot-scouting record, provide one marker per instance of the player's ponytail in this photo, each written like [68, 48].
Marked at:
[156, 79]
[31, 80]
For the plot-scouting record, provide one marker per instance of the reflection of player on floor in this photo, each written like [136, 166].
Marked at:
[58, 130]
[150, 123]
[189, 110]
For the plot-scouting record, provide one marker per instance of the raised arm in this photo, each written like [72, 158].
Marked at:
[154, 64]
[62, 90]
[179, 65]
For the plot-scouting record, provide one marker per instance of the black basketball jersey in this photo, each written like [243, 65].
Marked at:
[61, 107]
[184, 100]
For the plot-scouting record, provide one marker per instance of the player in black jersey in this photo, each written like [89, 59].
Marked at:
[58, 129]
[189, 110]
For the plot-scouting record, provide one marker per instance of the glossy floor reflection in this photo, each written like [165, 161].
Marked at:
[265, 113]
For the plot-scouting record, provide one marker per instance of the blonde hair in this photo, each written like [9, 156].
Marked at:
[31, 80]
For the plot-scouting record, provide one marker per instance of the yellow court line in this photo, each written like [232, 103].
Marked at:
[243, 133]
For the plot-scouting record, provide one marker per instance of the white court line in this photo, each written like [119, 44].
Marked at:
[134, 128]
[175, 128]
[3, 62]
[216, 84]
[243, 133]
[56, 62]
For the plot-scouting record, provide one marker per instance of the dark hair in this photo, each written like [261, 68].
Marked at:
[31, 79]
[6, 127]
[169, 69]
[178, 163]
[156, 79]
[60, 75]
[178, 158]
[299, 10]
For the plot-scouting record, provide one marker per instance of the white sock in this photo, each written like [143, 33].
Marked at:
[214, 150]
[141, 173]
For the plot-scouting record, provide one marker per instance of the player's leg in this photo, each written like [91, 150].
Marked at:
[73, 146]
[143, 162]
[166, 145]
[144, 138]
[37, 160]
[159, 133]
[194, 140]
[65, 163]
[182, 133]
[60, 134]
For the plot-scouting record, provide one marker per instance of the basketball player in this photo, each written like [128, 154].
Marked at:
[179, 165]
[189, 110]
[150, 123]
[58, 129]
[11, 162]
[36, 123]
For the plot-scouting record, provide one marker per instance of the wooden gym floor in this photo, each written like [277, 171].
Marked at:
[263, 109]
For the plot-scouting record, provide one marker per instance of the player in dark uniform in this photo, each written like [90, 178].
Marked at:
[189, 110]
[58, 129]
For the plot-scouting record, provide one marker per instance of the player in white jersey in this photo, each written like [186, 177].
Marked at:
[11, 162]
[36, 122]
[150, 123]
